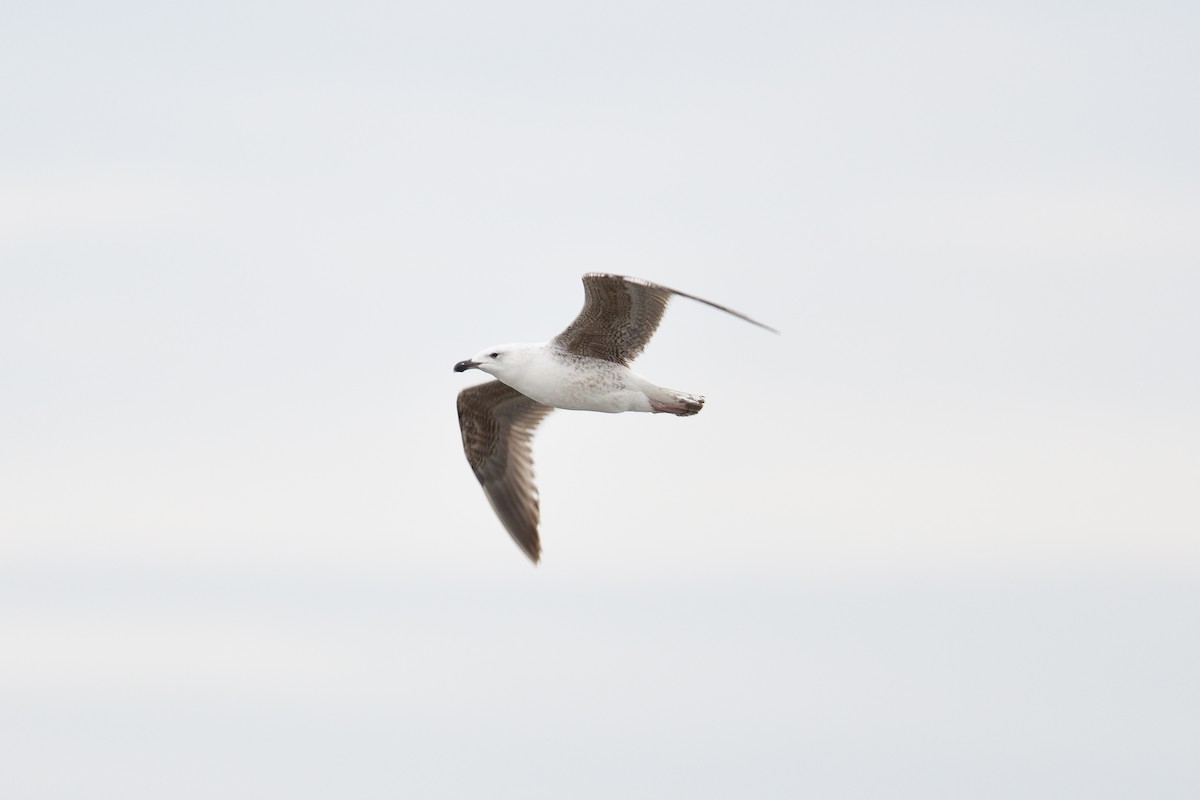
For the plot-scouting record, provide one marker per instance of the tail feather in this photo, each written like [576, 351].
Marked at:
[680, 404]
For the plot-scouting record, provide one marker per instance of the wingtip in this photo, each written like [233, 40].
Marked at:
[653, 285]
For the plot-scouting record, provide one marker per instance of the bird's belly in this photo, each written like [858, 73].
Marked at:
[590, 385]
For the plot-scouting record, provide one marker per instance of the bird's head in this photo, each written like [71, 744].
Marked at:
[495, 360]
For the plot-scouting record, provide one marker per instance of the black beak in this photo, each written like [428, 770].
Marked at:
[463, 366]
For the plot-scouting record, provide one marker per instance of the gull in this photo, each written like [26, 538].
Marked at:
[584, 368]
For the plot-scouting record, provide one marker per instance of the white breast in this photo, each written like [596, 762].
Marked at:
[565, 380]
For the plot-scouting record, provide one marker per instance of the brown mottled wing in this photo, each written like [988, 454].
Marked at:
[619, 316]
[497, 424]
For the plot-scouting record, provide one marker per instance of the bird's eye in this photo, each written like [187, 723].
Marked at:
[494, 355]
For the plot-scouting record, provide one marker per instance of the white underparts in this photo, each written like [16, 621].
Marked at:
[565, 380]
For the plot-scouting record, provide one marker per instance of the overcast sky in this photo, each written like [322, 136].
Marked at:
[938, 538]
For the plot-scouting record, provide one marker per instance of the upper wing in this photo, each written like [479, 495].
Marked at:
[497, 424]
[619, 316]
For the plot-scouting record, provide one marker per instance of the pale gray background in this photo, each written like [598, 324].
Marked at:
[939, 539]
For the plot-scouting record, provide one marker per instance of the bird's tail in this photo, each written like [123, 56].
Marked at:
[681, 404]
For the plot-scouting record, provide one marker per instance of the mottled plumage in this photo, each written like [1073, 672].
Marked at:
[585, 368]
[497, 424]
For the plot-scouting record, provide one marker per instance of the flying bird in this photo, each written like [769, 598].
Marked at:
[585, 368]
